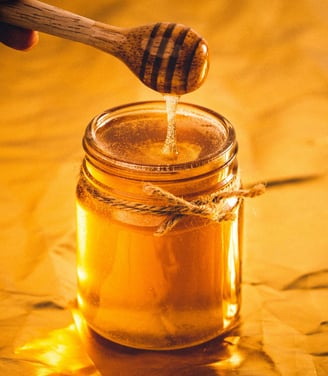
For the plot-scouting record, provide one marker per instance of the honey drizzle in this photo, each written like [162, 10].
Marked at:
[170, 148]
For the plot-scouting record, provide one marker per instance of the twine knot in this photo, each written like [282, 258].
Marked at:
[213, 206]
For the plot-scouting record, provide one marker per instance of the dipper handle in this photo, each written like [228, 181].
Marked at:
[169, 58]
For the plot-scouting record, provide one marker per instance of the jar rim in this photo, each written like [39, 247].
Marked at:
[99, 156]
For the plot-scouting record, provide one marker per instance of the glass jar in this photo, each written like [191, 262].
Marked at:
[159, 242]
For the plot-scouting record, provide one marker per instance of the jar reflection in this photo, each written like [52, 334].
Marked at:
[220, 356]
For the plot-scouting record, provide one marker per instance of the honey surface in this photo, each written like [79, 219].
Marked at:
[142, 141]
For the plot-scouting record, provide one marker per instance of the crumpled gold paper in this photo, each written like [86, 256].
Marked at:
[268, 75]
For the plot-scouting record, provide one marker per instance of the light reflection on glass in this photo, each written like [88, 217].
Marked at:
[232, 272]
[82, 274]
[81, 214]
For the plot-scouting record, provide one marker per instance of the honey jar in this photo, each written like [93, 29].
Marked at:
[159, 238]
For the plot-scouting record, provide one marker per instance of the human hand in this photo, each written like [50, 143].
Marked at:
[17, 37]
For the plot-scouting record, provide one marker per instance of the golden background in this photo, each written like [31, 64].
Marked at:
[269, 77]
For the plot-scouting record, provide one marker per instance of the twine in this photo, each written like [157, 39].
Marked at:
[213, 207]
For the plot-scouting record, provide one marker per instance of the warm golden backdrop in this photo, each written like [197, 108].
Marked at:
[269, 76]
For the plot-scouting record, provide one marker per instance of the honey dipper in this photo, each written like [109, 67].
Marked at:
[169, 58]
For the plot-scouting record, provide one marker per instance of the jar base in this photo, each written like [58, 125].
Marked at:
[166, 336]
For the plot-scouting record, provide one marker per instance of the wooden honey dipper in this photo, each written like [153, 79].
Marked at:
[169, 58]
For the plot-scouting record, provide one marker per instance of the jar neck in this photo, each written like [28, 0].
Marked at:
[117, 140]
[105, 178]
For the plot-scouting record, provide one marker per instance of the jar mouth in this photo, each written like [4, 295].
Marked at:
[129, 138]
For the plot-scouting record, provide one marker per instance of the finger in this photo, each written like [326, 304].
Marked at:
[18, 38]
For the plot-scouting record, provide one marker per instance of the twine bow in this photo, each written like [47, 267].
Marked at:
[213, 207]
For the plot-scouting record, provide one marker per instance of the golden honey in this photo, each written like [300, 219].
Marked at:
[137, 286]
